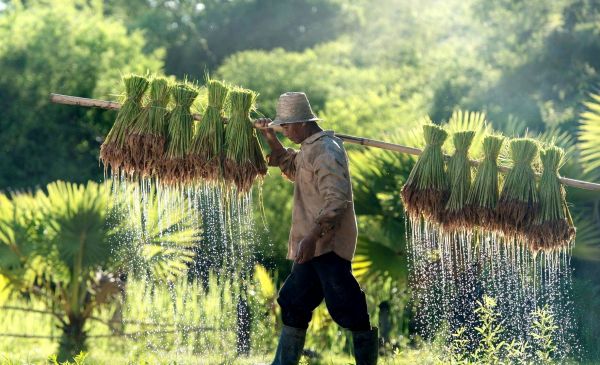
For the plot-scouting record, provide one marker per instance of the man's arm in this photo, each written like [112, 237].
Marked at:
[284, 158]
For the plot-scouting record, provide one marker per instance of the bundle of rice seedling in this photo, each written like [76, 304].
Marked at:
[484, 194]
[113, 151]
[553, 227]
[459, 175]
[519, 202]
[175, 166]
[206, 153]
[426, 189]
[147, 138]
[244, 160]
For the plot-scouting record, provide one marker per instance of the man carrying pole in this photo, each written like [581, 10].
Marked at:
[323, 234]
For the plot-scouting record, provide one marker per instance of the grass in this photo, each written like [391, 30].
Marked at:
[185, 304]
[181, 306]
[408, 357]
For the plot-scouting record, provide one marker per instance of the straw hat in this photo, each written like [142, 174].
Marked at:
[293, 107]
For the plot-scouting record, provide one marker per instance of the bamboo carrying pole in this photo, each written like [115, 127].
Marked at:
[104, 104]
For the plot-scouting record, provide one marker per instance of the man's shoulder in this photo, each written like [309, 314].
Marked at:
[326, 144]
[328, 140]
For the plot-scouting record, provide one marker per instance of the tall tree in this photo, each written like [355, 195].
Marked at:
[547, 55]
[198, 35]
[48, 48]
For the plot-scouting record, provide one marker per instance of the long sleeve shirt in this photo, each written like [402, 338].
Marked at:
[322, 194]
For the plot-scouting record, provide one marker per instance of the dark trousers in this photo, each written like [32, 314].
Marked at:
[327, 276]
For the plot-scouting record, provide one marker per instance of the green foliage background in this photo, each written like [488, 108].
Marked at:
[373, 68]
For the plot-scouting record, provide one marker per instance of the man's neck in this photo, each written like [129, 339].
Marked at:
[311, 131]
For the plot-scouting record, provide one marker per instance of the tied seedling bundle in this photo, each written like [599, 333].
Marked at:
[114, 150]
[175, 165]
[147, 138]
[426, 189]
[244, 160]
[459, 175]
[207, 148]
[519, 202]
[553, 227]
[484, 194]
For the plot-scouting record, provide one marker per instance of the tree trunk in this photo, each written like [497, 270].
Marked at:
[244, 324]
[116, 324]
[73, 339]
[385, 323]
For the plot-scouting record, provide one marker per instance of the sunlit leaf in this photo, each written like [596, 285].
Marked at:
[589, 134]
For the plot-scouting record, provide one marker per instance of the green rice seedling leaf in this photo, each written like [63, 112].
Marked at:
[459, 175]
[114, 151]
[426, 190]
[207, 148]
[484, 194]
[553, 227]
[147, 138]
[464, 120]
[519, 201]
[244, 159]
[174, 168]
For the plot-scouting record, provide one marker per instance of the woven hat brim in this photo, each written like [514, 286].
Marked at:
[289, 121]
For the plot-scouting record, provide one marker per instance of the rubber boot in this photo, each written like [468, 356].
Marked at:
[291, 344]
[366, 346]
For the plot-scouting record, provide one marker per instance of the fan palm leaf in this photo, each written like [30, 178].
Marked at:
[77, 217]
[373, 259]
[587, 241]
[376, 176]
[167, 235]
[469, 121]
[19, 229]
[589, 134]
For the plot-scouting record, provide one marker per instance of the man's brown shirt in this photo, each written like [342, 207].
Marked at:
[322, 193]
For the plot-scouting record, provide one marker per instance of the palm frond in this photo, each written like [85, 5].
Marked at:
[166, 235]
[375, 259]
[6, 289]
[514, 127]
[76, 218]
[265, 282]
[589, 134]
[587, 241]
[19, 231]
[464, 120]
[566, 141]
[166, 263]
[377, 177]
